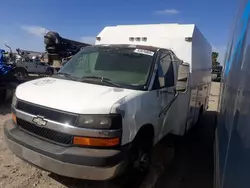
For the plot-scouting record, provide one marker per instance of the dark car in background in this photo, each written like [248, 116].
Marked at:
[216, 73]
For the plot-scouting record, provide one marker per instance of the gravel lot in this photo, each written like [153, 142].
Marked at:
[191, 168]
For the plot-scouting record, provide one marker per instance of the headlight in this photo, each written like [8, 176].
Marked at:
[14, 100]
[100, 121]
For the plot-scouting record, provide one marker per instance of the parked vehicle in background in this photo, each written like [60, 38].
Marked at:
[15, 69]
[31, 65]
[102, 113]
[216, 73]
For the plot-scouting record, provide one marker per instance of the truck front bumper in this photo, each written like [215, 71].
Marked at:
[75, 162]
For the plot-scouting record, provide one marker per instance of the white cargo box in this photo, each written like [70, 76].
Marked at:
[185, 40]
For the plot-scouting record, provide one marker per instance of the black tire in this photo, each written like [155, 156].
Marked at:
[136, 172]
[140, 156]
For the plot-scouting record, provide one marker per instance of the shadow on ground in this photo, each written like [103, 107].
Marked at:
[121, 182]
[5, 106]
[192, 166]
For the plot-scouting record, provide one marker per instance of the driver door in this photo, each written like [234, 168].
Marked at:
[165, 84]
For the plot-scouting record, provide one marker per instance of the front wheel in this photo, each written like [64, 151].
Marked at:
[137, 168]
[139, 161]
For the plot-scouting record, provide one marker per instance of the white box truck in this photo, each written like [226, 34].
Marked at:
[112, 102]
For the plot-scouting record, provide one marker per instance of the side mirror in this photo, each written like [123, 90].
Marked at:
[182, 80]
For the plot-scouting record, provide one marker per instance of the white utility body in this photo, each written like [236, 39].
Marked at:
[113, 100]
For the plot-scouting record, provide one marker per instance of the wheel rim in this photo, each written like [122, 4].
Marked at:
[142, 161]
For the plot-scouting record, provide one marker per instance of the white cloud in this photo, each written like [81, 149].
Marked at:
[88, 39]
[222, 52]
[35, 30]
[167, 11]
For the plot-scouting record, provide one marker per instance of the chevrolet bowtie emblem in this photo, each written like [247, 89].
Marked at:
[39, 121]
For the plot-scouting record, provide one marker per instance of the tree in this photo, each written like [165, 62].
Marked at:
[215, 56]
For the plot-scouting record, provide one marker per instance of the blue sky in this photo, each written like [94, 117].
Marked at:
[25, 22]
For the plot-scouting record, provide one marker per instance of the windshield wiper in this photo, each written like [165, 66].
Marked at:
[96, 77]
[65, 75]
[99, 78]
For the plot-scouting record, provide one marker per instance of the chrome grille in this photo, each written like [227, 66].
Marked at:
[44, 133]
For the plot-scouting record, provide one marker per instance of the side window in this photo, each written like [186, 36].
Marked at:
[165, 72]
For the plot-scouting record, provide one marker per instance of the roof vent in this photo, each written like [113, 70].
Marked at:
[138, 39]
[131, 39]
[188, 39]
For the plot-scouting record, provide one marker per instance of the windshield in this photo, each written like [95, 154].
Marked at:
[124, 66]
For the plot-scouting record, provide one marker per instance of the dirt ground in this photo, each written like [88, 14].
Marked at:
[191, 168]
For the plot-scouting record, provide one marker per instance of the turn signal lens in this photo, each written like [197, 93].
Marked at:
[96, 141]
[14, 117]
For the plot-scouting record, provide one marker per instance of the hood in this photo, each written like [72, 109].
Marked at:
[71, 96]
